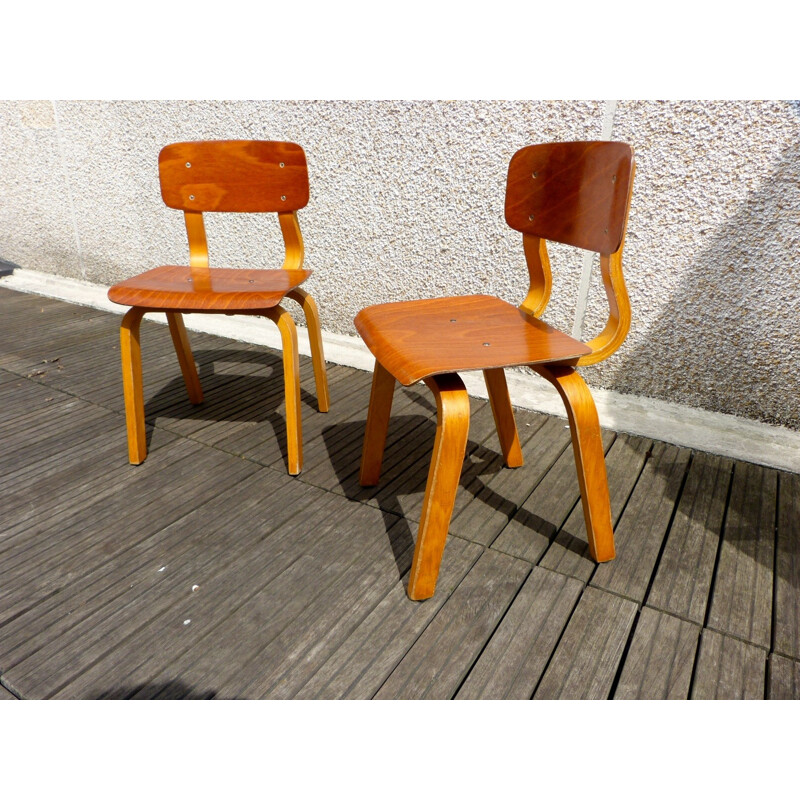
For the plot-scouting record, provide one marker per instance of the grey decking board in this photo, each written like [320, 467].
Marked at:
[95, 590]
[728, 669]
[787, 567]
[437, 663]
[742, 600]
[568, 552]
[234, 652]
[644, 523]
[506, 491]
[682, 583]
[516, 656]
[261, 551]
[784, 678]
[586, 661]
[660, 660]
[537, 520]
[363, 661]
[6, 695]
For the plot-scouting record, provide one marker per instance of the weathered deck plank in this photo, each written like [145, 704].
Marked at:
[728, 669]
[569, 551]
[437, 663]
[660, 659]
[682, 583]
[742, 600]
[787, 568]
[515, 658]
[784, 678]
[587, 658]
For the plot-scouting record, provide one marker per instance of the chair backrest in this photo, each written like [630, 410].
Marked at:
[576, 193]
[234, 175]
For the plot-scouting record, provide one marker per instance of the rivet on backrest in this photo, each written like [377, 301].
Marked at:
[283, 197]
[531, 217]
[281, 164]
[188, 165]
[535, 174]
[191, 197]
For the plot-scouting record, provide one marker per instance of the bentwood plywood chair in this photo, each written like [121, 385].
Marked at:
[225, 176]
[576, 193]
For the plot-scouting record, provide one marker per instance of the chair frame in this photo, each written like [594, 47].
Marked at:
[453, 408]
[201, 277]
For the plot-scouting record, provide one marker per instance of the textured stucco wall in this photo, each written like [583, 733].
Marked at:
[407, 201]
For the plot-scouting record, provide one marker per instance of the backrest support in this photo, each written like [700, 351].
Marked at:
[575, 193]
[234, 175]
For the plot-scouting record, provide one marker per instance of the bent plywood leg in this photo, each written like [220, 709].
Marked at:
[503, 416]
[291, 379]
[315, 340]
[587, 445]
[452, 428]
[185, 358]
[131, 354]
[380, 409]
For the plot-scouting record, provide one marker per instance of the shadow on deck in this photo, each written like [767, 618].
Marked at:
[208, 572]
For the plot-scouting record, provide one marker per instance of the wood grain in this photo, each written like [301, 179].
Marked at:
[234, 175]
[575, 193]
[473, 332]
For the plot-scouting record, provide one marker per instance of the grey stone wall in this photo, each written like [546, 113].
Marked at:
[407, 201]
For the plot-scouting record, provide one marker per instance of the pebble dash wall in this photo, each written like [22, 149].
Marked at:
[407, 202]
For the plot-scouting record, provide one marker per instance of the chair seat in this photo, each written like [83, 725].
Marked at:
[202, 289]
[420, 338]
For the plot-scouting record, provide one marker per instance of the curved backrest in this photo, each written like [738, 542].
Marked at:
[575, 193]
[233, 175]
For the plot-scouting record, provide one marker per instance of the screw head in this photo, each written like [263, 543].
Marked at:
[188, 165]
[487, 344]
[281, 165]
[283, 197]
[535, 174]
[531, 217]
[191, 197]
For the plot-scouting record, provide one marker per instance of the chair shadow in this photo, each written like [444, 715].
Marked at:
[254, 396]
[168, 690]
[480, 463]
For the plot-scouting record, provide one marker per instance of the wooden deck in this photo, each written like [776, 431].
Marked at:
[208, 572]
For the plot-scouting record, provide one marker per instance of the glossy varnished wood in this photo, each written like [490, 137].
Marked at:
[214, 291]
[576, 193]
[234, 175]
[419, 338]
[226, 176]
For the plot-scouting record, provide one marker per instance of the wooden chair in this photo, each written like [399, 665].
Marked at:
[577, 193]
[225, 176]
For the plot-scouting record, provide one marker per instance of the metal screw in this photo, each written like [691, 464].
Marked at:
[535, 174]
[251, 281]
[531, 217]
[281, 164]
[188, 165]
[486, 344]
[191, 197]
[613, 179]
[283, 197]
[452, 320]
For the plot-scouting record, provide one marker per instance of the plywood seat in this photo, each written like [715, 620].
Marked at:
[575, 193]
[419, 338]
[213, 291]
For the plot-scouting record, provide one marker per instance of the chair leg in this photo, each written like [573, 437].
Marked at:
[291, 379]
[185, 358]
[452, 428]
[315, 339]
[587, 446]
[503, 416]
[380, 408]
[131, 354]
